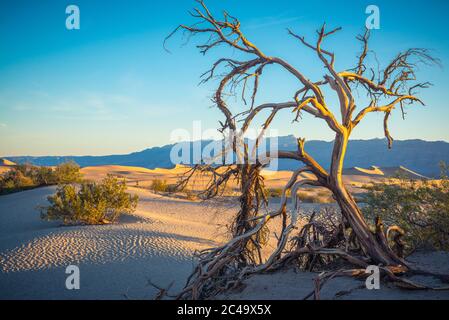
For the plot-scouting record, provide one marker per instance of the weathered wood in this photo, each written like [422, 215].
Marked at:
[227, 264]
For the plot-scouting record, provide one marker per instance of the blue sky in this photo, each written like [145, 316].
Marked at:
[110, 87]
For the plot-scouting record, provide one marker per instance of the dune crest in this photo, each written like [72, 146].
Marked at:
[373, 170]
[7, 163]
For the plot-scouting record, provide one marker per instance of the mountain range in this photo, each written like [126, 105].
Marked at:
[418, 155]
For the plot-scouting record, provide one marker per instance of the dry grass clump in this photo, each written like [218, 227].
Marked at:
[312, 195]
[158, 185]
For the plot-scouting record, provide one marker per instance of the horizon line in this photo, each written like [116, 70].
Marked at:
[193, 141]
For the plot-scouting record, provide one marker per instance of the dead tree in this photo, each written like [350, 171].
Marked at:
[391, 88]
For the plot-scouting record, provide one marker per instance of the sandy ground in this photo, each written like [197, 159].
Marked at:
[116, 261]
[354, 178]
[156, 243]
[295, 285]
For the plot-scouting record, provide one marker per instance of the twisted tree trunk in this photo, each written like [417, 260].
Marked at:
[227, 264]
[374, 245]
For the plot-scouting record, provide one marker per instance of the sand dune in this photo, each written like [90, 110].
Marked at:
[6, 162]
[6, 165]
[143, 177]
[162, 232]
[387, 172]
[365, 171]
[134, 175]
[353, 177]
[356, 179]
[156, 243]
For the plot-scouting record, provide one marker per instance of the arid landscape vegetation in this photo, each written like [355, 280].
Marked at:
[154, 245]
[104, 193]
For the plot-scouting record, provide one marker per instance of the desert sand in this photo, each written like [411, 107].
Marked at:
[116, 261]
[355, 178]
[295, 285]
[5, 165]
[6, 162]
[155, 243]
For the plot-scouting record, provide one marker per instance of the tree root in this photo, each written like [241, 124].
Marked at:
[162, 292]
[389, 273]
[219, 270]
[317, 244]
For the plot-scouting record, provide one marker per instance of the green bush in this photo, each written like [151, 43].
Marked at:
[68, 172]
[159, 185]
[14, 180]
[26, 176]
[421, 208]
[90, 203]
[44, 176]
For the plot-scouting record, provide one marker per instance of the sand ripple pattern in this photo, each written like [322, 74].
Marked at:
[161, 227]
[99, 244]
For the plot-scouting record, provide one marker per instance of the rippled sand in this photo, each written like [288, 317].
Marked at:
[156, 242]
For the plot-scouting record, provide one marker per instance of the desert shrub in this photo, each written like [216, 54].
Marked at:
[274, 192]
[90, 202]
[318, 197]
[27, 176]
[159, 185]
[43, 176]
[304, 196]
[421, 208]
[15, 180]
[68, 172]
[307, 197]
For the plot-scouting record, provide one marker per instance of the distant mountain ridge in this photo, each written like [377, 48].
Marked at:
[417, 155]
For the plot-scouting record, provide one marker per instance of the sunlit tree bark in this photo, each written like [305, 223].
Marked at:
[392, 88]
